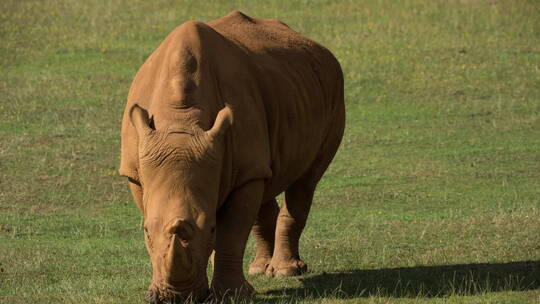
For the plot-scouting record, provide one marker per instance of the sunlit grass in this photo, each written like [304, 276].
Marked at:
[434, 196]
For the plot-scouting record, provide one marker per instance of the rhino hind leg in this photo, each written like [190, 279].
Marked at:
[291, 220]
[264, 233]
[294, 211]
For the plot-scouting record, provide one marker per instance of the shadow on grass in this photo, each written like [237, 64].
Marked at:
[423, 281]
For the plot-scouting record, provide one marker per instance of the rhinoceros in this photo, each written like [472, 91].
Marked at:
[220, 119]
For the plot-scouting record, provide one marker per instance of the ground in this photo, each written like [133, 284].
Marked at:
[434, 196]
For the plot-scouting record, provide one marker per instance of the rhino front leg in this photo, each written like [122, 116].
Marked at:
[292, 218]
[264, 232]
[234, 221]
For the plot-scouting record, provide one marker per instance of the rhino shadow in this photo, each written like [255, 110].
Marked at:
[412, 282]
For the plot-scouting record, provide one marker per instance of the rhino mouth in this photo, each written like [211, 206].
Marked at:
[183, 278]
[198, 293]
[194, 289]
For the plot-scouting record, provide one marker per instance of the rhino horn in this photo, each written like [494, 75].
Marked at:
[179, 262]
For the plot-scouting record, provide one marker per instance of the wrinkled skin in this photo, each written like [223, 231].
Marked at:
[179, 225]
[204, 180]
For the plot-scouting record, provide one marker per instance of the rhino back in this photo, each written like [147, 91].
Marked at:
[300, 84]
[286, 92]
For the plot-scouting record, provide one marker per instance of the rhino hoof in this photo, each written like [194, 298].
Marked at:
[285, 269]
[258, 266]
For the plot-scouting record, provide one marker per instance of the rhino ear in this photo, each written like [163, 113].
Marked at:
[140, 120]
[224, 121]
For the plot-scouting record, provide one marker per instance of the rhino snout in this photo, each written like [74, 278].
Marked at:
[161, 296]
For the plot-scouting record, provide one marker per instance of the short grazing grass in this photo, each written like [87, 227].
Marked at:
[434, 196]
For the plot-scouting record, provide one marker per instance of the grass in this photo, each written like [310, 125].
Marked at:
[434, 196]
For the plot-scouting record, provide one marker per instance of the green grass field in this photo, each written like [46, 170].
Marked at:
[434, 196]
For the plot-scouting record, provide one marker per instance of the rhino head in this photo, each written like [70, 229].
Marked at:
[180, 176]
